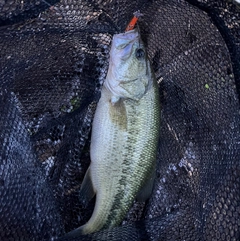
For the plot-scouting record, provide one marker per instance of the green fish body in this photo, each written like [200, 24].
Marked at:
[125, 134]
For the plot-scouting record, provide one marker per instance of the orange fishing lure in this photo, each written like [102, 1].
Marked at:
[133, 21]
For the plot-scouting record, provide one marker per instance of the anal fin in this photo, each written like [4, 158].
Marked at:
[87, 191]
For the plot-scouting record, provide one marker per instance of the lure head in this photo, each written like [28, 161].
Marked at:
[129, 69]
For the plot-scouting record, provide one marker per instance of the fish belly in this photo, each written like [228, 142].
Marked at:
[123, 155]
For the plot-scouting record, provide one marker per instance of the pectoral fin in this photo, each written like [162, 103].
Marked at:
[118, 114]
[87, 191]
[146, 190]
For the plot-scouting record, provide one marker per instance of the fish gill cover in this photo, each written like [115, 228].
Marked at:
[53, 61]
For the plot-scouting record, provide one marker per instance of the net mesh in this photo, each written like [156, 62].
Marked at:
[53, 61]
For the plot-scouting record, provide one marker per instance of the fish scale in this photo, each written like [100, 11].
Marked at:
[125, 134]
[140, 150]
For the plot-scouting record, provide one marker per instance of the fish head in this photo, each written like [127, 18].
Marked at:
[129, 72]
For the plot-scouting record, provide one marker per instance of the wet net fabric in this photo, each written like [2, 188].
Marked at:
[53, 61]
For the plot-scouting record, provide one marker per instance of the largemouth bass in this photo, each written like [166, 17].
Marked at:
[125, 134]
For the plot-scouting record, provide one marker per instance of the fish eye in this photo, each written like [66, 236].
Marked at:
[140, 53]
